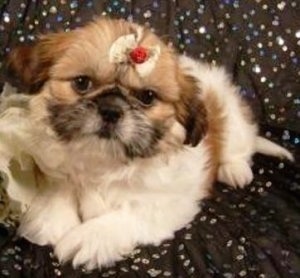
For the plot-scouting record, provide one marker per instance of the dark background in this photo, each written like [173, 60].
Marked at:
[244, 233]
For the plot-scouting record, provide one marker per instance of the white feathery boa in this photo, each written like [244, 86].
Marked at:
[16, 163]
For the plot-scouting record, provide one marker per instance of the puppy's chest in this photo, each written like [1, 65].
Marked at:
[88, 171]
[156, 174]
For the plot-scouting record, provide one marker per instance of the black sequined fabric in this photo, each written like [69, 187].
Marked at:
[254, 232]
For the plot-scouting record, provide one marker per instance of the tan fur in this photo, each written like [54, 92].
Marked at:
[216, 120]
[190, 111]
[162, 111]
[31, 64]
[61, 57]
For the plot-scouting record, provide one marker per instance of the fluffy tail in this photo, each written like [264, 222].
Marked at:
[267, 147]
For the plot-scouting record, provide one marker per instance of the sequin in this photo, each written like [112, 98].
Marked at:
[5, 272]
[135, 267]
[229, 243]
[6, 17]
[57, 272]
[280, 40]
[256, 69]
[147, 14]
[281, 5]
[74, 4]
[263, 79]
[145, 261]
[202, 30]
[191, 270]
[154, 272]
[243, 273]
[240, 257]
[53, 10]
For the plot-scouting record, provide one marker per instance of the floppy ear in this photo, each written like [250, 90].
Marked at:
[191, 112]
[27, 66]
[23, 68]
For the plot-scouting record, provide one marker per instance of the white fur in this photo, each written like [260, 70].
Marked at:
[142, 203]
[238, 135]
[120, 205]
[267, 147]
[20, 177]
[51, 216]
[240, 139]
[95, 208]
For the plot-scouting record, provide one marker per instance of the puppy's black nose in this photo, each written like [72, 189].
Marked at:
[110, 114]
[111, 105]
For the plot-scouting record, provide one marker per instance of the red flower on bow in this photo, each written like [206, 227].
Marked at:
[139, 55]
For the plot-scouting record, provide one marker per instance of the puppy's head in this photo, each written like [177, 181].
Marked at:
[111, 83]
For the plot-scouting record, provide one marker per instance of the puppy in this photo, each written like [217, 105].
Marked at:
[128, 137]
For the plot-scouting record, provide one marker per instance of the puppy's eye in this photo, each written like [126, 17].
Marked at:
[82, 84]
[146, 97]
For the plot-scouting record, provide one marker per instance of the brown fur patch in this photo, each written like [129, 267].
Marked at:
[214, 138]
[30, 64]
[190, 110]
[217, 120]
[161, 112]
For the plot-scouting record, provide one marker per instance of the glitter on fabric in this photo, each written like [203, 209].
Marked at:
[239, 233]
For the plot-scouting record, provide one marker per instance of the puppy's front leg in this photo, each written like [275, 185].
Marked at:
[106, 239]
[51, 214]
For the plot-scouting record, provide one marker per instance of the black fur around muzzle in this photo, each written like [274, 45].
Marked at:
[112, 108]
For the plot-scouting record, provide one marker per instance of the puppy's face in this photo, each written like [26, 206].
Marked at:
[84, 96]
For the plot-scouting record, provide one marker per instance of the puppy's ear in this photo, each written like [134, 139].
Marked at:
[28, 66]
[191, 112]
[23, 70]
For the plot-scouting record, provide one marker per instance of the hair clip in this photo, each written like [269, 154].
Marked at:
[126, 50]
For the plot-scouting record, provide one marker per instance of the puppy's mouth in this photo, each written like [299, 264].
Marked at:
[110, 117]
[107, 131]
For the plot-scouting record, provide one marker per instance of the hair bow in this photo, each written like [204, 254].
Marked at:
[126, 50]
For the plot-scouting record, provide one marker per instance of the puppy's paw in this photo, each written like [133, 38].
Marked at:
[93, 246]
[46, 227]
[235, 173]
